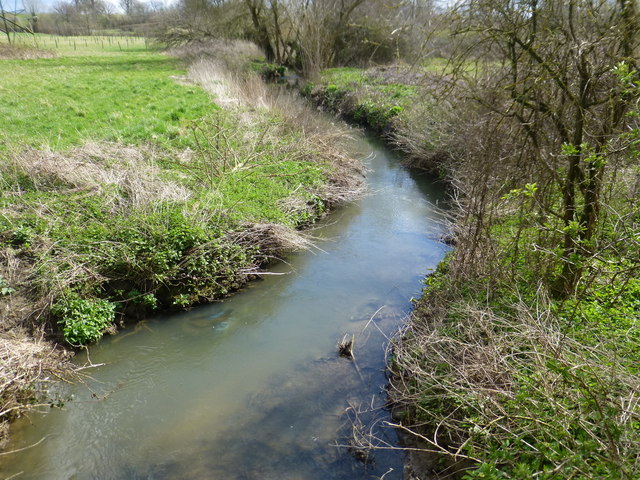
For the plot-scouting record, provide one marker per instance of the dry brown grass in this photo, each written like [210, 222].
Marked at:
[462, 382]
[254, 101]
[272, 239]
[235, 54]
[25, 360]
[94, 166]
[23, 52]
[19, 308]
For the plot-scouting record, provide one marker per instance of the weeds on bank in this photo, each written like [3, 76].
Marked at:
[499, 373]
[174, 201]
[401, 103]
[101, 226]
[369, 97]
[509, 382]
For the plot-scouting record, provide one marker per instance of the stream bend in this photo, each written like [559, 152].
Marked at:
[252, 387]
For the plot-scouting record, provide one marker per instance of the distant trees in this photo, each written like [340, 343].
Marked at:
[306, 35]
[33, 8]
[79, 16]
[85, 17]
[127, 6]
[300, 32]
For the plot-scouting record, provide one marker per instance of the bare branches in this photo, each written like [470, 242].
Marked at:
[490, 380]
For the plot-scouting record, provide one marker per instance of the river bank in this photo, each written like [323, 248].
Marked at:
[253, 386]
[147, 183]
[499, 374]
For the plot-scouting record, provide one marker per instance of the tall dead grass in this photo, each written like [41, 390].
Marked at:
[24, 361]
[24, 52]
[264, 114]
[235, 54]
[96, 166]
[465, 386]
[254, 102]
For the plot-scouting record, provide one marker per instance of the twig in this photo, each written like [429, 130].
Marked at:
[26, 448]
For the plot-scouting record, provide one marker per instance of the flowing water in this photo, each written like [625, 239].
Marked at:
[252, 387]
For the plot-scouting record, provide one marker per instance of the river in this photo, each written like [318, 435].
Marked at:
[252, 387]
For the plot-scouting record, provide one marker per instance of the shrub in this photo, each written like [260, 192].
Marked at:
[83, 320]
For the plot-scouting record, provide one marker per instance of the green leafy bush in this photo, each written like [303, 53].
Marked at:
[5, 289]
[83, 320]
[269, 71]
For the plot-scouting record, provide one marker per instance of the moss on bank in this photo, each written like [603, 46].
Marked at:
[197, 178]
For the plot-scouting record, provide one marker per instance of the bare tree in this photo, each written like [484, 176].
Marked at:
[548, 73]
[126, 6]
[258, 11]
[33, 8]
[5, 21]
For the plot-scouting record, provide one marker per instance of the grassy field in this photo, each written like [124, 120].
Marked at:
[103, 45]
[130, 98]
[120, 92]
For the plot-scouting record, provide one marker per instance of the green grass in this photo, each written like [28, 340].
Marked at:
[129, 98]
[102, 45]
[343, 76]
[150, 222]
[366, 96]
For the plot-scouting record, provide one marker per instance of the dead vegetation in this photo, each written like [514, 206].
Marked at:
[346, 345]
[23, 52]
[25, 360]
[462, 387]
[97, 166]
[214, 68]
[235, 54]
[272, 240]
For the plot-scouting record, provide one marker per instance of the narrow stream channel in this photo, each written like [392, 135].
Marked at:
[252, 387]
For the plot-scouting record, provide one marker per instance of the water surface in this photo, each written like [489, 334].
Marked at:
[252, 387]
